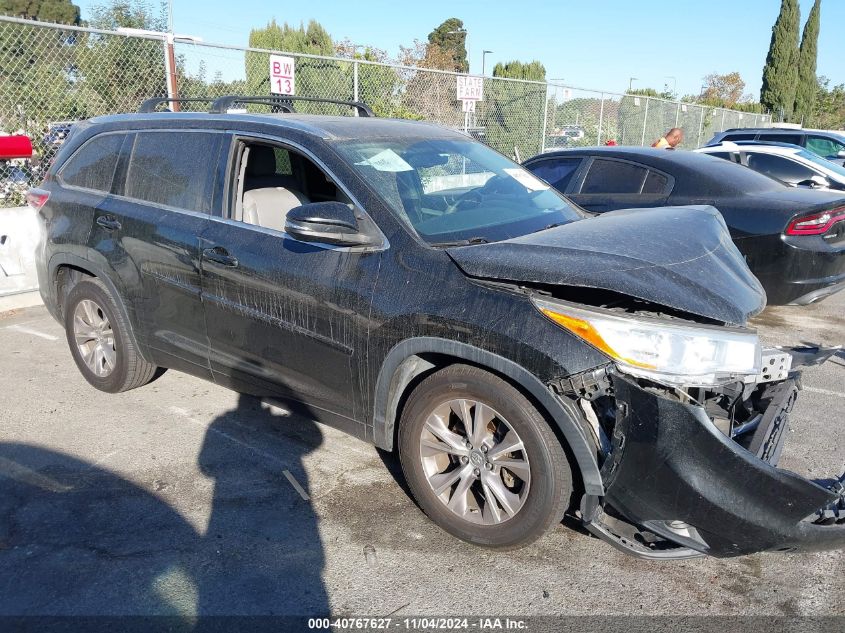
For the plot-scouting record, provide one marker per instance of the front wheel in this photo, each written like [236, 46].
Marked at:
[481, 461]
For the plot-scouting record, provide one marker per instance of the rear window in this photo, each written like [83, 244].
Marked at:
[745, 136]
[93, 165]
[613, 176]
[794, 139]
[173, 169]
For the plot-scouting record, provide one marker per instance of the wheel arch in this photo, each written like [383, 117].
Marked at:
[64, 261]
[409, 360]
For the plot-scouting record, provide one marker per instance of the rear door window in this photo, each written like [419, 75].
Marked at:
[614, 176]
[656, 183]
[173, 168]
[779, 167]
[558, 172]
[94, 164]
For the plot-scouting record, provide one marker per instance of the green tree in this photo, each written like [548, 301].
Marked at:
[60, 11]
[451, 37]
[313, 77]
[117, 73]
[805, 92]
[829, 106]
[651, 92]
[781, 70]
[512, 113]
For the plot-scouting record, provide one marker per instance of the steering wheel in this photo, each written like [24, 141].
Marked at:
[471, 198]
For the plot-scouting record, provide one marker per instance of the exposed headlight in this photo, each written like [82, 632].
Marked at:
[666, 352]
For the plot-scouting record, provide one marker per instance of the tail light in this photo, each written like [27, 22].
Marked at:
[37, 198]
[815, 223]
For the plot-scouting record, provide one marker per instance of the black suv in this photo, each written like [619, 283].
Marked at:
[422, 292]
[828, 145]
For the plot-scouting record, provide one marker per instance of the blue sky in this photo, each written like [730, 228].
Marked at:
[588, 43]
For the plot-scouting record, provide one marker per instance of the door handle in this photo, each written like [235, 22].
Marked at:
[221, 256]
[108, 222]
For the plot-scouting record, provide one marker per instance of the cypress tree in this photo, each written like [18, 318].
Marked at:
[808, 84]
[780, 74]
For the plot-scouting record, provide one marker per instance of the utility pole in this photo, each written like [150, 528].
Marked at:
[168, 39]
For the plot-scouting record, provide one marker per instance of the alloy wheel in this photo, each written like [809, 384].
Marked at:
[475, 462]
[94, 338]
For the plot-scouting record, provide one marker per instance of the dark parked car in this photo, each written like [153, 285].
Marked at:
[829, 145]
[792, 239]
[418, 290]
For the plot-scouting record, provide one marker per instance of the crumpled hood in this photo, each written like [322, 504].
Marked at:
[677, 257]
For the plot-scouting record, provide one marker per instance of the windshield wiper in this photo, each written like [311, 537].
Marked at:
[551, 226]
[466, 242]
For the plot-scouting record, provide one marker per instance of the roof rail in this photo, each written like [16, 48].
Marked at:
[222, 104]
[150, 105]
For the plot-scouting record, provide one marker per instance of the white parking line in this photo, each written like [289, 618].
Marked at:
[183, 413]
[186, 415]
[29, 330]
[296, 486]
[826, 392]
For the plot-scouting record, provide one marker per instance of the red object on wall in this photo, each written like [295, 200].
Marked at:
[15, 147]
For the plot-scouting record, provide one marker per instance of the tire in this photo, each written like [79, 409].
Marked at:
[533, 500]
[110, 362]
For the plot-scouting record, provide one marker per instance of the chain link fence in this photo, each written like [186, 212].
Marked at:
[53, 75]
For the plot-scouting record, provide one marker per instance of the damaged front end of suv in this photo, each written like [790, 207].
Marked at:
[689, 421]
[689, 414]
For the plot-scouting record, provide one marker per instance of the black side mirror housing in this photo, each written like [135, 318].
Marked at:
[816, 182]
[327, 223]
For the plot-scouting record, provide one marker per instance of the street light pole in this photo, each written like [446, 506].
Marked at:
[631, 81]
[484, 61]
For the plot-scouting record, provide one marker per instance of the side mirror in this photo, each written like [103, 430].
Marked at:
[840, 154]
[815, 182]
[325, 222]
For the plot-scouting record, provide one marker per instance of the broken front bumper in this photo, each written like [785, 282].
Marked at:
[673, 473]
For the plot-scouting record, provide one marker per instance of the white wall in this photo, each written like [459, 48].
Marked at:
[18, 240]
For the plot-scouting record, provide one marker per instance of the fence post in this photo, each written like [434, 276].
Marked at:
[601, 119]
[724, 112]
[645, 120]
[355, 81]
[545, 119]
[678, 114]
[700, 126]
[170, 72]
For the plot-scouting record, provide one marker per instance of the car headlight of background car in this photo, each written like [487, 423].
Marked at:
[663, 351]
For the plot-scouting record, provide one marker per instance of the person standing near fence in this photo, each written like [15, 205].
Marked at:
[671, 140]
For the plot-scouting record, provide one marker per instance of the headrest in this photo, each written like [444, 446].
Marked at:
[261, 162]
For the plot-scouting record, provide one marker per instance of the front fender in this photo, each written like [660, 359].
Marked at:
[392, 380]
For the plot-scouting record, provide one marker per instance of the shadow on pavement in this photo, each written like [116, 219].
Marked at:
[76, 539]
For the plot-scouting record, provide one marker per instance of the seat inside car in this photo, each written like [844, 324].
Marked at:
[268, 207]
[268, 195]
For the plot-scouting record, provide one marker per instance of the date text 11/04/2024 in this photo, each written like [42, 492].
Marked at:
[421, 623]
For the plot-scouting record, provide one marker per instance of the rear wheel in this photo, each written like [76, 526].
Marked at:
[480, 459]
[99, 342]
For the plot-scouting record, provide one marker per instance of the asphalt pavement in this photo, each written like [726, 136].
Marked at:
[183, 498]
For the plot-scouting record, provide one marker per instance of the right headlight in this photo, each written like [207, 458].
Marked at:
[664, 351]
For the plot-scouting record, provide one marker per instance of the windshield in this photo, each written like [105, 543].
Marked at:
[822, 162]
[455, 190]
